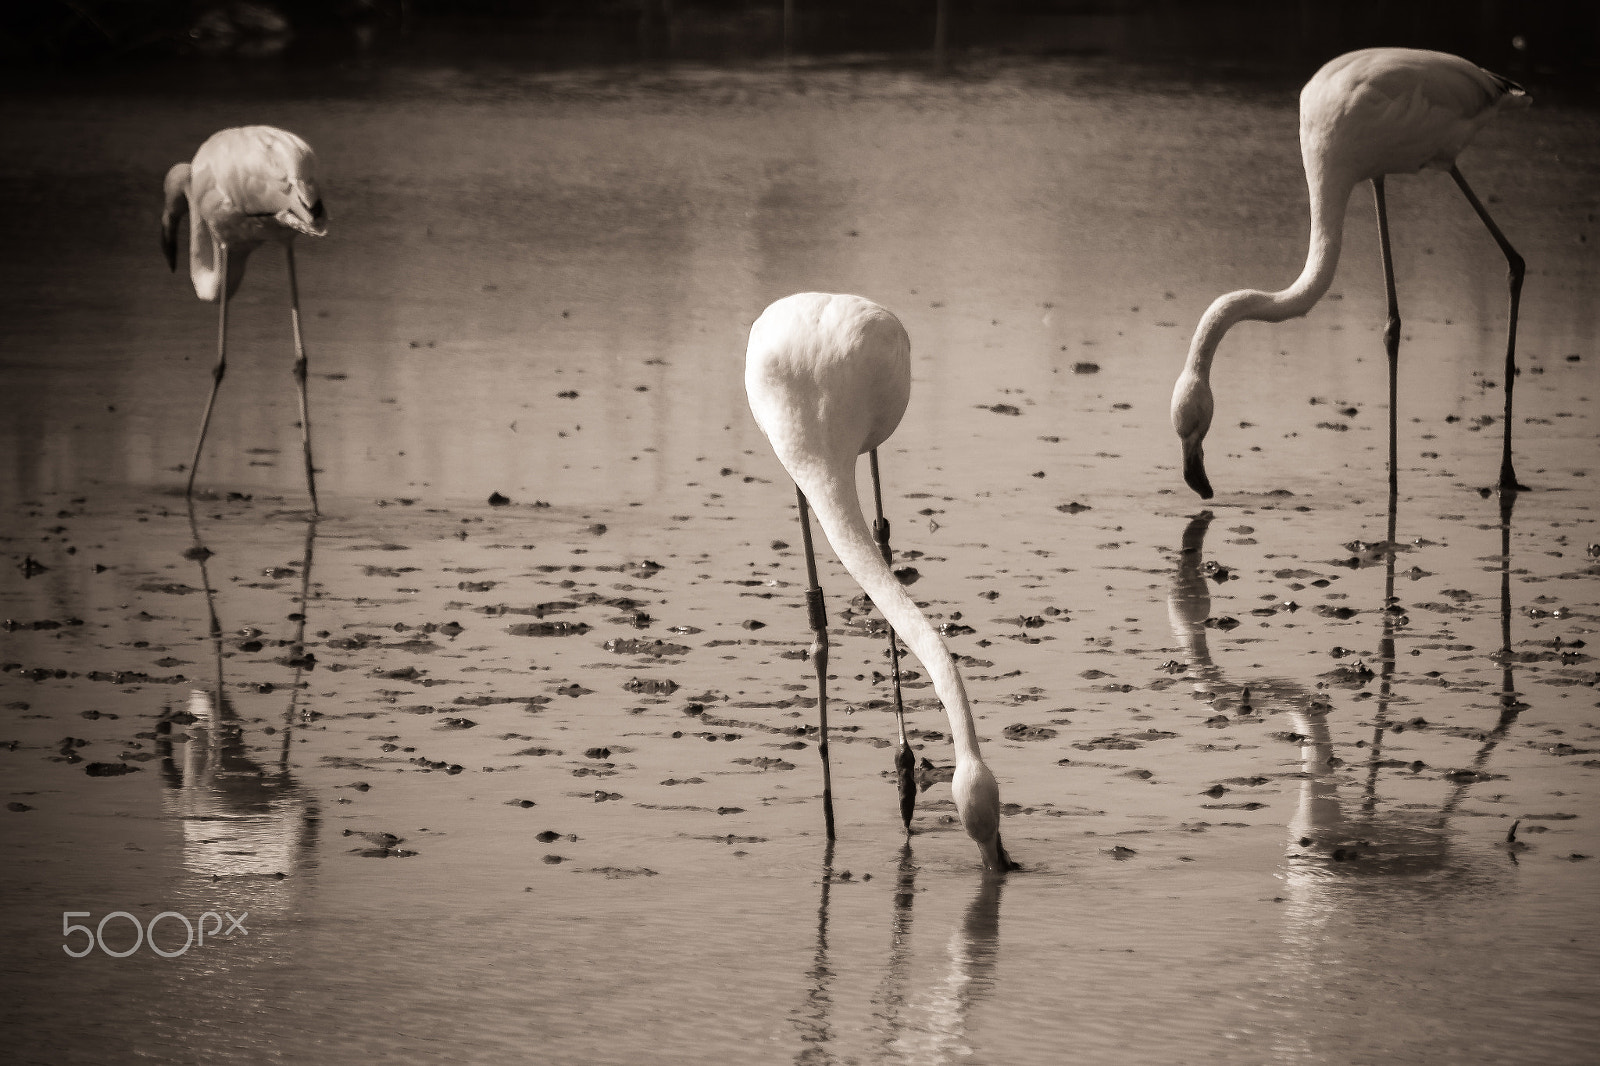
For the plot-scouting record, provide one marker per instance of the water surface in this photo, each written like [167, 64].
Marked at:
[1260, 769]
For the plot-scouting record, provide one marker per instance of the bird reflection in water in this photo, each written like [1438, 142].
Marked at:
[242, 816]
[1188, 611]
[930, 1025]
[941, 1015]
[1323, 839]
[1327, 836]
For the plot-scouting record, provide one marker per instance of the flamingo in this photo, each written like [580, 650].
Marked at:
[828, 378]
[1364, 115]
[245, 186]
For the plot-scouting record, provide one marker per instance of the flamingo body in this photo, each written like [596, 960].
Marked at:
[828, 378]
[1397, 110]
[1364, 115]
[245, 186]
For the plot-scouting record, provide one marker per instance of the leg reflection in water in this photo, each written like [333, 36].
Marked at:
[939, 1018]
[923, 1019]
[241, 815]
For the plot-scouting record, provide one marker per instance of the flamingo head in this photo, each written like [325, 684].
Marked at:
[1191, 418]
[303, 211]
[977, 797]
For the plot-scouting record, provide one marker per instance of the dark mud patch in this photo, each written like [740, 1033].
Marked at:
[655, 649]
[1019, 731]
[547, 629]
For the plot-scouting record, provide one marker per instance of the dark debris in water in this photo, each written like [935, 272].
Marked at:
[656, 649]
[547, 629]
[763, 762]
[654, 686]
[379, 845]
[108, 769]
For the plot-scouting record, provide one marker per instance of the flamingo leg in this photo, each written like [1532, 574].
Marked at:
[904, 762]
[1391, 336]
[217, 372]
[300, 376]
[819, 656]
[1516, 268]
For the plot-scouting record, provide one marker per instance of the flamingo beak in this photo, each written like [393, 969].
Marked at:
[1001, 861]
[1194, 468]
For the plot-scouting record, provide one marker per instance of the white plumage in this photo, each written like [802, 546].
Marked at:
[244, 187]
[828, 379]
[1365, 114]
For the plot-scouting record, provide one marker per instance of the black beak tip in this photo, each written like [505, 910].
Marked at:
[1006, 864]
[1194, 474]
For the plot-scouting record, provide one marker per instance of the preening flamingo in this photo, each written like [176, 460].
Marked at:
[1363, 115]
[828, 379]
[245, 186]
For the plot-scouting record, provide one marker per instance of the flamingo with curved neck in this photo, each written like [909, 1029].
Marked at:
[828, 378]
[1363, 115]
[245, 186]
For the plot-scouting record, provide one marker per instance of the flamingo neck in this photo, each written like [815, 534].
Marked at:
[831, 491]
[204, 269]
[1330, 196]
[204, 251]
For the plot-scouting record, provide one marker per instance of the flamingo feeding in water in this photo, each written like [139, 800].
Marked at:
[828, 379]
[245, 186]
[1363, 115]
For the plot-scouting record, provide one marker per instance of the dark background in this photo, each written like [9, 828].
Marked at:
[1548, 41]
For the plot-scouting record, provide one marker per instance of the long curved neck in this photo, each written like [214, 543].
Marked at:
[205, 248]
[831, 491]
[204, 251]
[1330, 196]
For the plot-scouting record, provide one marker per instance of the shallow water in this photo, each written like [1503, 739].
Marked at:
[1282, 840]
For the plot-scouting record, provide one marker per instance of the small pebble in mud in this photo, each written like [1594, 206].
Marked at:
[554, 859]
[752, 624]
[524, 804]
[18, 808]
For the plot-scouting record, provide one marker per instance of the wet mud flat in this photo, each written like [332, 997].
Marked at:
[1301, 778]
